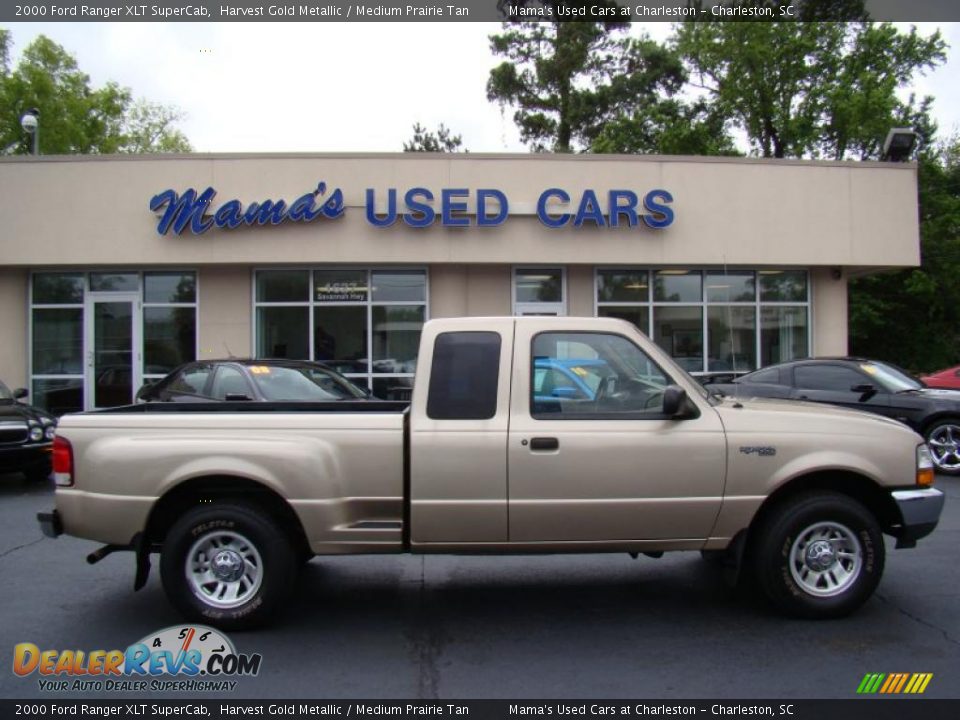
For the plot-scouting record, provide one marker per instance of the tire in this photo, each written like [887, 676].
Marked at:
[943, 439]
[819, 555]
[256, 566]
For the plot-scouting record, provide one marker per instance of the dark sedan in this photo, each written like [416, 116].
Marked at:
[868, 385]
[256, 380]
[26, 436]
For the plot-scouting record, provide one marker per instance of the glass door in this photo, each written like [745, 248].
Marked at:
[113, 372]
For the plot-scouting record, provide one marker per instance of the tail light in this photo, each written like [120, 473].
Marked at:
[62, 462]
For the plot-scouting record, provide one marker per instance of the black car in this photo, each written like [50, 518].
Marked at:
[26, 436]
[860, 384]
[248, 379]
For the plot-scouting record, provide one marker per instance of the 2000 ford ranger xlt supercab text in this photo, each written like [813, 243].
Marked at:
[500, 451]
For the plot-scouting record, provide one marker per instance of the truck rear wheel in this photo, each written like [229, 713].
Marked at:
[227, 565]
[819, 555]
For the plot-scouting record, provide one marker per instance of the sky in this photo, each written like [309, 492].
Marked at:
[337, 87]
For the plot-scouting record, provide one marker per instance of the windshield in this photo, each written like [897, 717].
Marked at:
[305, 383]
[5, 393]
[890, 378]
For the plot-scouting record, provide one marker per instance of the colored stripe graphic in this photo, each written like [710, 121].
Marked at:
[894, 683]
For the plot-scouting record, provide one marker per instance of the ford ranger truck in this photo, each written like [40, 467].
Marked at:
[500, 451]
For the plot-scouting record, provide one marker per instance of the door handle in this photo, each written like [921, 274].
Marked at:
[544, 443]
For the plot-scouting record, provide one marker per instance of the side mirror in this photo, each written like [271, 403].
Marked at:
[20, 393]
[865, 390]
[676, 404]
[142, 392]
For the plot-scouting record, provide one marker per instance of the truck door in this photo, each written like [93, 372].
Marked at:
[458, 438]
[604, 463]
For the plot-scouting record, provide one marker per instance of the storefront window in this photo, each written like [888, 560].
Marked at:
[732, 337]
[283, 286]
[78, 318]
[677, 286]
[717, 310]
[783, 334]
[283, 332]
[679, 331]
[169, 287]
[363, 323]
[731, 287]
[57, 341]
[114, 282]
[783, 286]
[57, 288]
[539, 285]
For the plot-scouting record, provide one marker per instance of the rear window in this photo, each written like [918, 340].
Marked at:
[464, 376]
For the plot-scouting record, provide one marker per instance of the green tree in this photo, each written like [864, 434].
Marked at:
[567, 80]
[440, 141]
[76, 118]
[912, 317]
[811, 89]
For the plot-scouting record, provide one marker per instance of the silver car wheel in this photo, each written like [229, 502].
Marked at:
[224, 569]
[826, 559]
[944, 444]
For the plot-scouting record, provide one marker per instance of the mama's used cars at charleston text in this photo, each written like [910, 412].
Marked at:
[235, 496]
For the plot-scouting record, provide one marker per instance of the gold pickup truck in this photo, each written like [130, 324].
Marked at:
[524, 435]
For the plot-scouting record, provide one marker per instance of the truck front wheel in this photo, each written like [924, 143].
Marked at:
[227, 565]
[819, 555]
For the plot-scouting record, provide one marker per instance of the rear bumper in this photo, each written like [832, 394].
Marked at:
[920, 511]
[50, 524]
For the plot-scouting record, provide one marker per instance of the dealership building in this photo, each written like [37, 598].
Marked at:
[115, 269]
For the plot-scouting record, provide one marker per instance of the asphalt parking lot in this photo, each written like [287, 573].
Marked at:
[588, 626]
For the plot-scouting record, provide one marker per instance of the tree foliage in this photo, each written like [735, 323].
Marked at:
[811, 89]
[567, 80]
[440, 141]
[912, 317]
[76, 118]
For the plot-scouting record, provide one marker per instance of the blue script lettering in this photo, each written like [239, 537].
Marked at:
[193, 211]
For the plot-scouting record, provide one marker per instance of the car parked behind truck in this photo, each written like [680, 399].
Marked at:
[235, 496]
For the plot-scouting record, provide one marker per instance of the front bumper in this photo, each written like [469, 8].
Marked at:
[920, 510]
[50, 524]
[33, 456]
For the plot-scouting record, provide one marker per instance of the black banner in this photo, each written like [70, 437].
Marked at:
[857, 709]
[473, 10]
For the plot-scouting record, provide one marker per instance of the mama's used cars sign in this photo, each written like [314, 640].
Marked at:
[417, 207]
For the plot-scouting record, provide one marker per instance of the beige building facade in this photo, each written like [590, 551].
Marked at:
[113, 270]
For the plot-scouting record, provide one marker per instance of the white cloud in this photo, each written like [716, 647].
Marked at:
[302, 87]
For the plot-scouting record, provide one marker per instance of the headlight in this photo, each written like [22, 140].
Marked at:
[36, 433]
[50, 432]
[924, 466]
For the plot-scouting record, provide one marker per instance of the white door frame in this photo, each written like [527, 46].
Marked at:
[89, 340]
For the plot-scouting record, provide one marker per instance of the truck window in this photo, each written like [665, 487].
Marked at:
[463, 376]
[604, 376]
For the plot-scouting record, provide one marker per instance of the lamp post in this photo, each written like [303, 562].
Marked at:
[31, 123]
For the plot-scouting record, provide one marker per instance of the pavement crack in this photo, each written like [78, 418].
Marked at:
[426, 641]
[917, 619]
[20, 547]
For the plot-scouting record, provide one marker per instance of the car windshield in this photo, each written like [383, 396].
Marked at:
[5, 393]
[304, 383]
[890, 378]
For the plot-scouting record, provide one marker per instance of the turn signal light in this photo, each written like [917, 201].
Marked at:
[62, 462]
[924, 467]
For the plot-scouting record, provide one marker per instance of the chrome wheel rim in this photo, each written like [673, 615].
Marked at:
[826, 559]
[224, 569]
[944, 444]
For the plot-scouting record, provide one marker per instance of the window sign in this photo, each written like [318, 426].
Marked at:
[340, 286]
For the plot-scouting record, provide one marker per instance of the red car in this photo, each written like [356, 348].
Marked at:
[948, 379]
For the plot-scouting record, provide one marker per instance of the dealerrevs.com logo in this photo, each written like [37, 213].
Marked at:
[185, 658]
